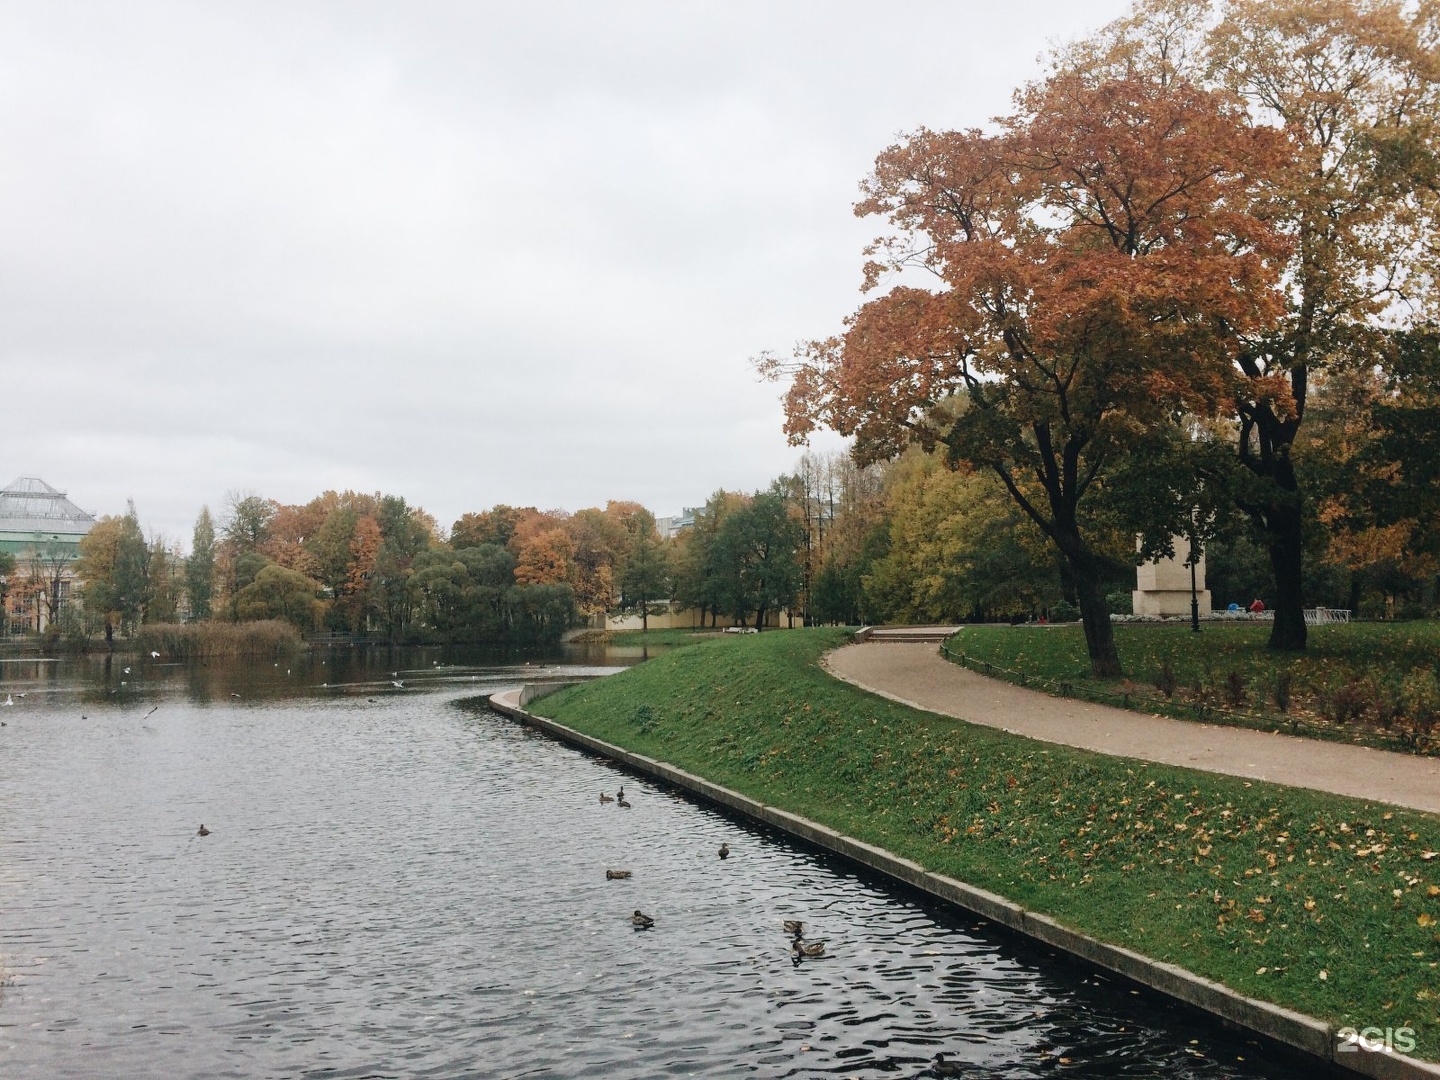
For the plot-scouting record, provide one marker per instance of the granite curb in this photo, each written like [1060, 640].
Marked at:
[1305, 1034]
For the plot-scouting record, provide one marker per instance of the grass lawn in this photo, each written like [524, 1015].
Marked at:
[1372, 683]
[1324, 904]
[660, 637]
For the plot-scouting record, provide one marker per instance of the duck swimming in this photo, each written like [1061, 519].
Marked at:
[641, 921]
[605, 798]
[794, 927]
[800, 948]
[724, 851]
[616, 875]
[620, 802]
[941, 1067]
[202, 831]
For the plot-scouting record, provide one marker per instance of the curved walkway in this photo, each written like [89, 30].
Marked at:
[918, 675]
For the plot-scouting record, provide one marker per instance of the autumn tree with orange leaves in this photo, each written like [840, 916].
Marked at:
[1356, 86]
[1093, 264]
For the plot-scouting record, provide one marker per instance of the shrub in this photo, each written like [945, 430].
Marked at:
[1063, 611]
[1346, 703]
[644, 718]
[1389, 704]
[1119, 602]
[1420, 693]
[1167, 682]
[1284, 683]
[1235, 691]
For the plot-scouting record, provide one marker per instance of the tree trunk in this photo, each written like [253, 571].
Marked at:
[1286, 561]
[1095, 617]
[1087, 575]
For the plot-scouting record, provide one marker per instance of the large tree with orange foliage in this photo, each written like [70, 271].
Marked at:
[1356, 86]
[1092, 265]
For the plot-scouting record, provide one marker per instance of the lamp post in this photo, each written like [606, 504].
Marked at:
[1194, 593]
[1194, 598]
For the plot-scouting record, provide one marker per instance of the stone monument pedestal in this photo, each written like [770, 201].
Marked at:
[1163, 587]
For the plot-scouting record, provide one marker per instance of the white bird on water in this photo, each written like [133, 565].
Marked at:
[154, 656]
[397, 684]
[8, 700]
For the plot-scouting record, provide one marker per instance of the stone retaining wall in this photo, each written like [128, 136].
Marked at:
[1303, 1033]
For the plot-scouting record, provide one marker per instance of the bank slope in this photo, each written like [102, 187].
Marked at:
[1322, 904]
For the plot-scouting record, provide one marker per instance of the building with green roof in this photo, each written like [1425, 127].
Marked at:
[42, 529]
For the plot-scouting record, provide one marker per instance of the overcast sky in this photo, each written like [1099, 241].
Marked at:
[466, 253]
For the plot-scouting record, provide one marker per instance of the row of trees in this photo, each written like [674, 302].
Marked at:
[915, 539]
[1134, 283]
[357, 564]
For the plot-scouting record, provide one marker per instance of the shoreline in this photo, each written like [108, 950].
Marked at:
[733, 724]
[1305, 1035]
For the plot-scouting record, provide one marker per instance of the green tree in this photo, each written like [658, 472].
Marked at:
[114, 565]
[247, 526]
[388, 594]
[408, 530]
[162, 583]
[333, 548]
[958, 549]
[200, 567]
[697, 570]
[278, 593]
[644, 566]
[756, 558]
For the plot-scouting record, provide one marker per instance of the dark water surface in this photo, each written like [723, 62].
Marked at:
[399, 883]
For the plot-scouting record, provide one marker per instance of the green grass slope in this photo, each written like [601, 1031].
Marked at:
[1323, 904]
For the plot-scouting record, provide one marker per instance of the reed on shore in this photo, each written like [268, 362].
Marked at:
[210, 640]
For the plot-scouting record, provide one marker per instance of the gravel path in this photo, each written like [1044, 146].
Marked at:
[916, 674]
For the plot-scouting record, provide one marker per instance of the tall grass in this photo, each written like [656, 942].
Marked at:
[209, 640]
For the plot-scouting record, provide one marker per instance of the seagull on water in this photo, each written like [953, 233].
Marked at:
[397, 684]
[9, 700]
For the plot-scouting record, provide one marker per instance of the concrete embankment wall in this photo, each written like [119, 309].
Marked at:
[1303, 1033]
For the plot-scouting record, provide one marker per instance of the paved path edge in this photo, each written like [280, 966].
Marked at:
[1306, 1034]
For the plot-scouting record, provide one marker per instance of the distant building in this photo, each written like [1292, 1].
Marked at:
[669, 527]
[42, 529]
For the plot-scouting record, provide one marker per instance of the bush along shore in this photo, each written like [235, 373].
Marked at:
[1326, 905]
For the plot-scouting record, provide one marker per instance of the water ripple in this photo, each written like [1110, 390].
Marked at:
[415, 887]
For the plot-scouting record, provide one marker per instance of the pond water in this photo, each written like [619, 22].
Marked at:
[398, 882]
